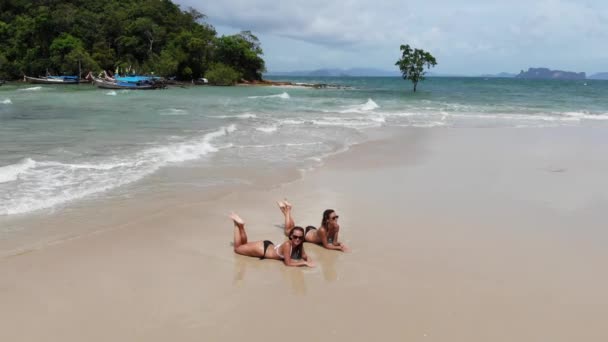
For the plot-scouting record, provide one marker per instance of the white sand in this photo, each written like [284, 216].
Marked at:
[456, 235]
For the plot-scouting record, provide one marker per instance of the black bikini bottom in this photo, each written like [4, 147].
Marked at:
[266, 244]
[309, 228]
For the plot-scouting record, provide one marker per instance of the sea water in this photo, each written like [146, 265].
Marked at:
[61, 144]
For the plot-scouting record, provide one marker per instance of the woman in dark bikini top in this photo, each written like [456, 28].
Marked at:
[326, 235]
[291, 251]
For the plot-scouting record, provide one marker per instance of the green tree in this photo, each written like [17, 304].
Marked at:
[67, 53]
[223, 75]
[243, 53]
[413, 62]
[139, 35]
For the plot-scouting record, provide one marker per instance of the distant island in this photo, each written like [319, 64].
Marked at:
[334, 72]
[548, 74]
[532, 73]
[599, 76]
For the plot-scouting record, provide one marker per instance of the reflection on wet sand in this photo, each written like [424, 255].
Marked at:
[294, 277]
[327, 261]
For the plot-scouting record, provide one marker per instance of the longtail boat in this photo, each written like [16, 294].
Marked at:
[53, 79]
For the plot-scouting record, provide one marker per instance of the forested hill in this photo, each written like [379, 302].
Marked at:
[150, 36]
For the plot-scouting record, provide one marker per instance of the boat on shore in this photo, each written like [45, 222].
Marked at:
[52, 79]
[106, 84]
[137, 79]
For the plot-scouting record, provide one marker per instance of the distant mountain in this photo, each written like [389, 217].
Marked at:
[353, 72]
[547, 74]
[499, 75]
[599, 76]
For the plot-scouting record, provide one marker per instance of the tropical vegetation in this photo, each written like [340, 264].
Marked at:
[222, 75]
[413, 62]
[143, 36]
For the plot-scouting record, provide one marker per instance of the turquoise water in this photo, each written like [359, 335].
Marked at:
[64, 143]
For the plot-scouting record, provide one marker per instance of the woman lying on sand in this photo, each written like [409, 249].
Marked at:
[326, 235]
[291, 251]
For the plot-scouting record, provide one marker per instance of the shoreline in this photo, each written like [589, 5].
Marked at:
[451, 240]
[32, 231]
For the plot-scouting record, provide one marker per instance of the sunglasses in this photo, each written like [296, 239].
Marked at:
[299, 237]
[334, 218]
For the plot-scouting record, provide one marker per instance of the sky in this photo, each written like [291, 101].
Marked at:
[468, 37]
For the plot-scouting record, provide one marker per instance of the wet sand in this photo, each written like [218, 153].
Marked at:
[456, 235]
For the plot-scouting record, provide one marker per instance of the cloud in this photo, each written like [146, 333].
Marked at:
[450, 29]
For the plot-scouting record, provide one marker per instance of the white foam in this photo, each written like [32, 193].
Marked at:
[347, 122]
[280, 145]
[174, 111]
[6, 101]
[45, 184]
[268, 129]
[283, 95]
[31, 88]
[587, 116]
[11, 172]
[111, 93]
[370, 105]
[366, 107]
[291, 122]
[516, 117]
[239, 116]
[180, 152]
[427, 124]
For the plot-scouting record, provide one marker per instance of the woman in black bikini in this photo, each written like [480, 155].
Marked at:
[291, 251]
[326, 235]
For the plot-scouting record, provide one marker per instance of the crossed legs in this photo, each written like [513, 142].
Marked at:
[242, 246]
[286, 210]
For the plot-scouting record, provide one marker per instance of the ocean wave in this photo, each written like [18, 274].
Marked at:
[180, 152]
[509, 119]
[111, 93]
[30, 89]
[283, 95]
[586, 115]
[516, 117]
[11, 172]
[366, 107]
[34, 185]
[174, 111]
[291, 122]
[347, 122]
[239, 116]
[6, 101]
[267, 129]
[279, 145]
[429, 124]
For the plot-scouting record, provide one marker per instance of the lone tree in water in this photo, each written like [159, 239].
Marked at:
[413, 62]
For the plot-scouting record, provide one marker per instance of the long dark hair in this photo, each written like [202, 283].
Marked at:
[326, 215]
[296, 253]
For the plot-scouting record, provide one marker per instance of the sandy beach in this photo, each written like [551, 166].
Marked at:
[471, 234]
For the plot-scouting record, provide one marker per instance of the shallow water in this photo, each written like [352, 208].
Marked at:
[64, 143]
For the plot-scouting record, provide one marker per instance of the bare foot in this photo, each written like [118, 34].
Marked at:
[281, 206]
[238, 221]
[287, 204]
